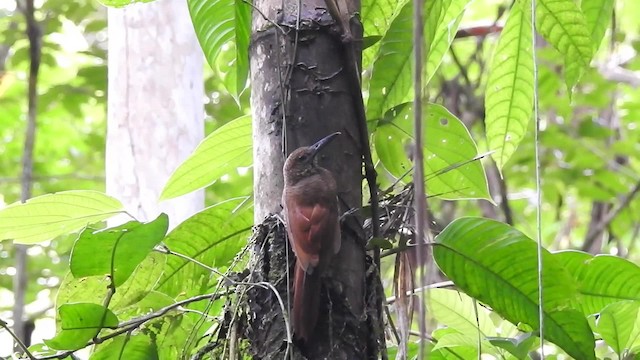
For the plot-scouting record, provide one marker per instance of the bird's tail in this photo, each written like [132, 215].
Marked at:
[306, 296]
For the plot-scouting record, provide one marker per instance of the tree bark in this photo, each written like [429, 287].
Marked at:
[300, 93]
[155, 109]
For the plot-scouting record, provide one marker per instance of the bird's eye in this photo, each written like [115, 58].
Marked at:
[304, 157]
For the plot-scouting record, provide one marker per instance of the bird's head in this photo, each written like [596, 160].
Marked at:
[302, 161]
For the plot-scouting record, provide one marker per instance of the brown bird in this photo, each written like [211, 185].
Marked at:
[310, 204]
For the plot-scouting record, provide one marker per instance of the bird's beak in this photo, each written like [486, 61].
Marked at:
[323, 142]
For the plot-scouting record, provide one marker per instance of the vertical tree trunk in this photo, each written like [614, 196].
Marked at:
[155, 110]
[300, 93]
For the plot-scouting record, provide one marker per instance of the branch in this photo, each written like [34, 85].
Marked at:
[34, 34]
[612, 214]
[131, 325]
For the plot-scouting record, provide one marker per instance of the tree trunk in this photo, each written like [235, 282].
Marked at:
[300, 93]
[155, 110]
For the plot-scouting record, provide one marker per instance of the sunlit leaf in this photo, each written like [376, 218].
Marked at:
[222, 152]
[518, 347]
[242, 34]
[47, 216]
[458, 311]
[509, 96]
[93, 289]
[213, 237]
[376, 16]
[498, 265]
[391, 77]
[218, 22]
[598, 14]
[619, 325]
[564, 26]
[116, 251]
[134, 347]
[449, 152]
[602, 279]
[79, 323]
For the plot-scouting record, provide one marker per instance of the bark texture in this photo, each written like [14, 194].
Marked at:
[300, 93]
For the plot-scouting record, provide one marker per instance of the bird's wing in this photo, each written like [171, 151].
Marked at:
[309, 227]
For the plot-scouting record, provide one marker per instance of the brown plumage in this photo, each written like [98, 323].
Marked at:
[311, 209]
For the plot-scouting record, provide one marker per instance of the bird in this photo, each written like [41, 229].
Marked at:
[310, 205]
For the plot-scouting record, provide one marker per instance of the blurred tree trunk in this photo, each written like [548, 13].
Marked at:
[155, 109]
[300, 93]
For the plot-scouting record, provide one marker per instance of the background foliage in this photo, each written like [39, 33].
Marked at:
[481, 92]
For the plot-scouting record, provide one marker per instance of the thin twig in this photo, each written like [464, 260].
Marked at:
[538, 178]
[418, 161]
[22, 346]
[438, 285]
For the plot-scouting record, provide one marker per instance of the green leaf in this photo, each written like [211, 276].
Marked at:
[449, 152]
[376, 15]
[602, 279]
[458, 311]
[47, 216]
[518, 347]
[563, 25]
[619, 325]
[213, 237]
[133, 347]
[80, 322]
[93, 289]
[509, 96]
[449, 338]
[391, 77]
[116, 251]
[442, 38]
[218, 22]
[497, 265]
[243, 35]
[222, 152]
[598, 14]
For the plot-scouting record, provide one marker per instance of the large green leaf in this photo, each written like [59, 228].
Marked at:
[47, 216]
[497, 265]
[213, 237]
[458, 311]
[449, 152]
[79, 323]
[116, 251]
[218, 22]
[391, 77]
[376, 15]
[93, 289]
[133, 347]
[598, 14]
[564, 26]
[602, 279]
[222, 152]
[509, 96]
[619, 326]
